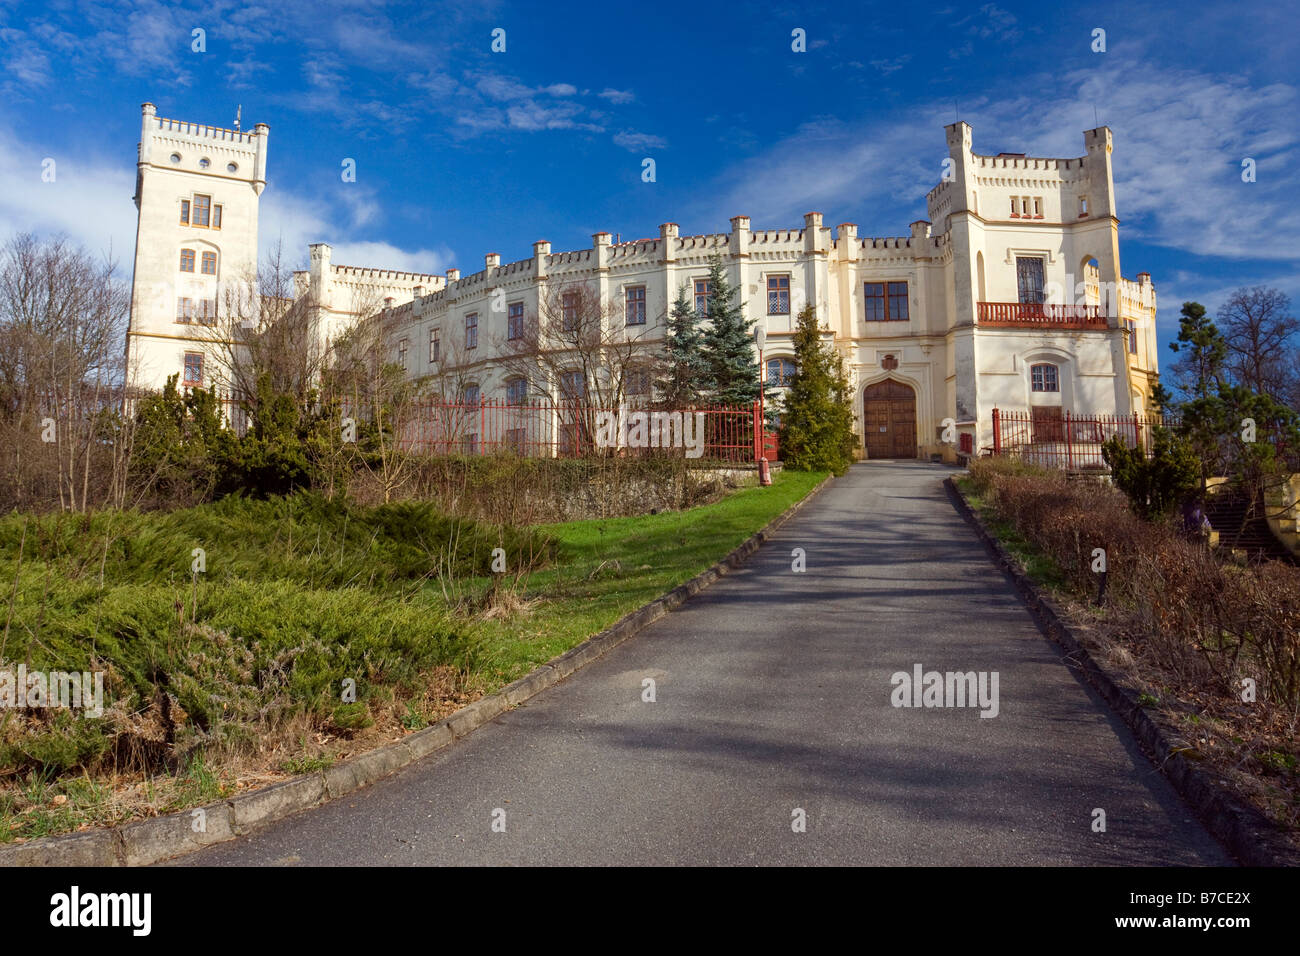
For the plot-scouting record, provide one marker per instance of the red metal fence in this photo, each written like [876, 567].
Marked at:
[1056, 438]
[566, 429]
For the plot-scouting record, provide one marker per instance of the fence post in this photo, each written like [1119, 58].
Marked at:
[1069, 443]
[997, 432]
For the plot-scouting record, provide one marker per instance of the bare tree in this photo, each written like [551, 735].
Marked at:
[578, 354]
[1260, 332]
[62, 317]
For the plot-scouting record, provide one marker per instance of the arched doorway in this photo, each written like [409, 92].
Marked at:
[889, 419]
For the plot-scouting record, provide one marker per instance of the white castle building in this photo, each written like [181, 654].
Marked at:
[1010, 296]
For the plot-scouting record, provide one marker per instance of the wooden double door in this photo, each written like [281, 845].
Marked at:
[889, 419]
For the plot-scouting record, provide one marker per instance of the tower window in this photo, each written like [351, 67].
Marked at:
[885, 301]
[433, 346]
[204, 163]
[202, 210]
[232, 168]
[402, 348]
[703, 289]
[515, 321]
[216, 216]
[471, 331]
[176, 157]
[1083, 206]
[778, 295]
[634, 305]
[209, 262]
[185, 212]
[187, 260]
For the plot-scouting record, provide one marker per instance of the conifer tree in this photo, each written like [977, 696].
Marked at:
[684, 368]
[731, 362]
[817, 422]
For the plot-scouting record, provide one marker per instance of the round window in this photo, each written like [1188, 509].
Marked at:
[204, 163]
[176, 157]
[232, 168]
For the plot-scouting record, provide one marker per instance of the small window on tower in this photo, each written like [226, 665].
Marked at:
[1038, 207]
[204, 163]
[185, 212]
[216, 216]
[232, 168]
[176, 157]
[1015, 207]
[1083, 206]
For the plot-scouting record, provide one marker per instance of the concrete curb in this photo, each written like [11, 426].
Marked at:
[161, 838]
[1246, 833]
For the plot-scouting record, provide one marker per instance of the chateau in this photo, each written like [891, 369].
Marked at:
[1009, 296]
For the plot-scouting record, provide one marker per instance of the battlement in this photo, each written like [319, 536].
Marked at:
[366, 272]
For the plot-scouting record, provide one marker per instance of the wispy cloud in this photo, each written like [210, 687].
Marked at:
[636, 142]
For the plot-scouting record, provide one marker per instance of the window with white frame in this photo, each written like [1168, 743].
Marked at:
[1044, 377]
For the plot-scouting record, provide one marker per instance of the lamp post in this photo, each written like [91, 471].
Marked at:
[760, 339]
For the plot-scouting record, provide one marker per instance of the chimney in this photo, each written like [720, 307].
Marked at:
[453, 275]
[492, 260]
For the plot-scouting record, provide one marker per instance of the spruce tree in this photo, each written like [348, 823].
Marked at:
[684, 369]
[817, 422]
[731, 362]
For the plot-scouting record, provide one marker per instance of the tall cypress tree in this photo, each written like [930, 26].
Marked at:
[728, 343]
[684, 366]
[817, 421]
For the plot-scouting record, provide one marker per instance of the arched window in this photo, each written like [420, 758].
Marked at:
[780, 371]
[1044, 377]
[516, 390]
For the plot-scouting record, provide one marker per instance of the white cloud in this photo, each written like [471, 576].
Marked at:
[616, 96]
[636, 142]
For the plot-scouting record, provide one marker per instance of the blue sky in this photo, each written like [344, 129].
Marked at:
[462, 151]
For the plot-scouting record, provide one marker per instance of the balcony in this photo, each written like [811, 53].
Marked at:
[1040, 315]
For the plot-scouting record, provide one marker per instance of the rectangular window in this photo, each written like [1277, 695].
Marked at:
[471, 331]
[874, 294]
[516, 391]
[1044, 378]
[1015, 206]
[185, 212]
[703, 289]
[202, 210]
[572, 386]
[185, 310]
[1029, 279]
[471, 396]
[187, 260]
[638, 381]
[207, 313]
[635, 305]
[885, 301]
[515, 440]
[216, 216]
[402, 348]
[569, 312]
[1132, 337]
[193, 368]
[898, 301]
[433, 346]
[515, 321]
[778, 295]
[1038, 207]
[209, 263]
[1083, 206]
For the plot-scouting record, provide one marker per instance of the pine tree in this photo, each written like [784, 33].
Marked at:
[731, 373]
[684, 366]
[817, 422]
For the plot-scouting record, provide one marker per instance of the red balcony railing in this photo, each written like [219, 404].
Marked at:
[1041, 315]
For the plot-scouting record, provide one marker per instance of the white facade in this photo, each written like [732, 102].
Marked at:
[197, 191]
[1016, 271]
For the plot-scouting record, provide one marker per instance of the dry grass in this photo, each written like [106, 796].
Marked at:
[1180, 626]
